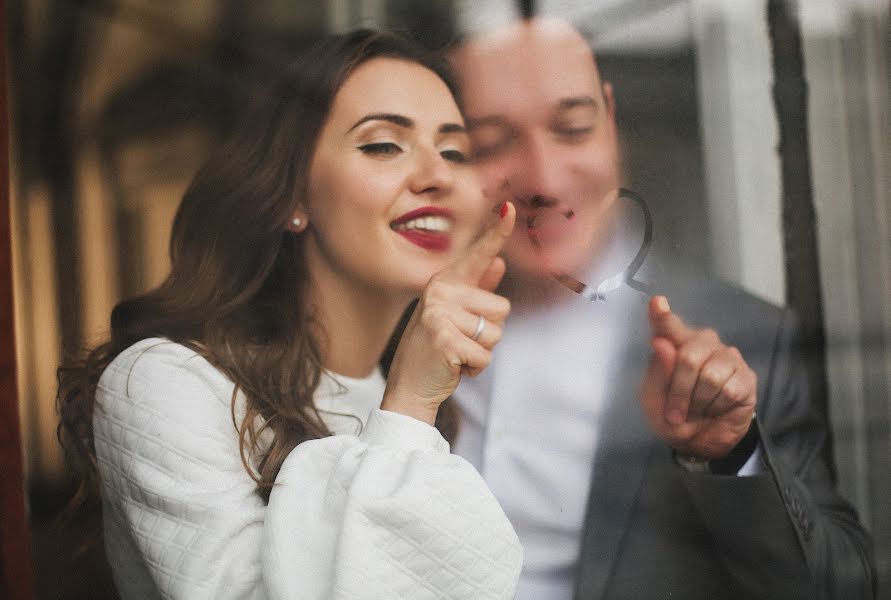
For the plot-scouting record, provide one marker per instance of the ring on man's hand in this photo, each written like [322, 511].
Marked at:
[480, 325]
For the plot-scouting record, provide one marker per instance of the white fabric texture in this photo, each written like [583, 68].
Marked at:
[387, 513]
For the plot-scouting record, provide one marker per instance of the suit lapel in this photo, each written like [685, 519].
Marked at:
[619, 463]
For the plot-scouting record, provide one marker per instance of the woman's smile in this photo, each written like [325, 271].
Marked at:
[429, 227]
[393, 154]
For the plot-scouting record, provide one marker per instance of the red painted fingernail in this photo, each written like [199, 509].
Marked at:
[503, 210]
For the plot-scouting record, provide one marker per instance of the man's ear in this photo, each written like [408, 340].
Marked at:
[610, 101]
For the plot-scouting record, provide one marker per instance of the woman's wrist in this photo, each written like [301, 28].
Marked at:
[420, 409]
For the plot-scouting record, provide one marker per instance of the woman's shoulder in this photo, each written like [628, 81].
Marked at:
[158, 367]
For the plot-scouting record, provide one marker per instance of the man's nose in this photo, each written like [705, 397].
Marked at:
[536, 179]
[431, 172]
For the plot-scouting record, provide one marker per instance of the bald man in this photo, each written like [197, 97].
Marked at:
[643, 447]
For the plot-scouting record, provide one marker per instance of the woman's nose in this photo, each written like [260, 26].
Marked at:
[432, 173]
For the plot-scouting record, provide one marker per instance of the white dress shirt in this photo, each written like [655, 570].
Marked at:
[530, 422]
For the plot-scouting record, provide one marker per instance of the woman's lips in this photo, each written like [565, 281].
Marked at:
[427, 239]
[428, 227]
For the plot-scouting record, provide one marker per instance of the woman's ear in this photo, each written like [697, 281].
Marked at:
[298, 221]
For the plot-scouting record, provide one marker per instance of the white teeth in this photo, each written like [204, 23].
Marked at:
[426, 223]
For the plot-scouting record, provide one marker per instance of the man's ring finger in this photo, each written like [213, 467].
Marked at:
[480, 326]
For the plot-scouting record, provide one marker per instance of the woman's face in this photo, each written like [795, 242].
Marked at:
[391, 199]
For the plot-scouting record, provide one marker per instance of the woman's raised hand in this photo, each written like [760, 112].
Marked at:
[457, 322]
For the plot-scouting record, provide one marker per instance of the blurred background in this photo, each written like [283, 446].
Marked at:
[758, 131]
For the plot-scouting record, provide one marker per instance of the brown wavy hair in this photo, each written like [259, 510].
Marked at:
[237, 288]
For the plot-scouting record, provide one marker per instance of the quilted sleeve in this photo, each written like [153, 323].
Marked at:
[182, 519]
[387, 514]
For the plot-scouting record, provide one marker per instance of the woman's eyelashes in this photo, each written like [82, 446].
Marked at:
[381, 149]
[454, 155]
[388, 149]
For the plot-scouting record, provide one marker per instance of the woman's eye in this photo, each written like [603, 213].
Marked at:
[381, 148]
[454, 155]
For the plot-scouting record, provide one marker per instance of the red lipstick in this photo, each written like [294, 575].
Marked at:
[428, 227]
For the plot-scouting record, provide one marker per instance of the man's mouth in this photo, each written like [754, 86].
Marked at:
[429, 227]
[545, 224]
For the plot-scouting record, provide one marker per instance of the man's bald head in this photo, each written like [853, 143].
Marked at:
[521, 55]
[543, 128]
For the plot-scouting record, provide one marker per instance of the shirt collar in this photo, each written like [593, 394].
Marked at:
[341, 399]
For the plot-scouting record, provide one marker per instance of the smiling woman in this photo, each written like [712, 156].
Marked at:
[397, 131]
[243, 439]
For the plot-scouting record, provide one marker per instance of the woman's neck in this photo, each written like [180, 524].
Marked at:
[356, 320]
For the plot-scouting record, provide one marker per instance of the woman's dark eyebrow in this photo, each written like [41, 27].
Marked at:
[452, 128]
[395, 119]
[402, 121]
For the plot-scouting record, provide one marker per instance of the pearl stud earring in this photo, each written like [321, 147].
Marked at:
[297, 221]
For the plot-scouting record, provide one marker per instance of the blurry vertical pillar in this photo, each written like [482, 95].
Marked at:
[799, 220]
[61, 64]
[846, 59]
[739, 138]
[14, 558]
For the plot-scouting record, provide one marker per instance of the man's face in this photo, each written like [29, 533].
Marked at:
[543, 126]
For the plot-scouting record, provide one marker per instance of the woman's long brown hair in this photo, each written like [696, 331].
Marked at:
[237, 288]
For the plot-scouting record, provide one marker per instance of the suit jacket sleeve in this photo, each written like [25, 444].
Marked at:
[786, 532]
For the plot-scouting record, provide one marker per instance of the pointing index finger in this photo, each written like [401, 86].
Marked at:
[665, 323]
[471, 267]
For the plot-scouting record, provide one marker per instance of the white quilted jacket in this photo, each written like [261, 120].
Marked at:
[387, 513]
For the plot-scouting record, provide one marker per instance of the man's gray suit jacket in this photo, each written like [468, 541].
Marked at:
[654, 530]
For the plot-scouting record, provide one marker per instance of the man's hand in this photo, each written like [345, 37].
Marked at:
[698, 393]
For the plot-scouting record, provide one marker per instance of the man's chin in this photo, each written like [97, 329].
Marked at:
[541, 263]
